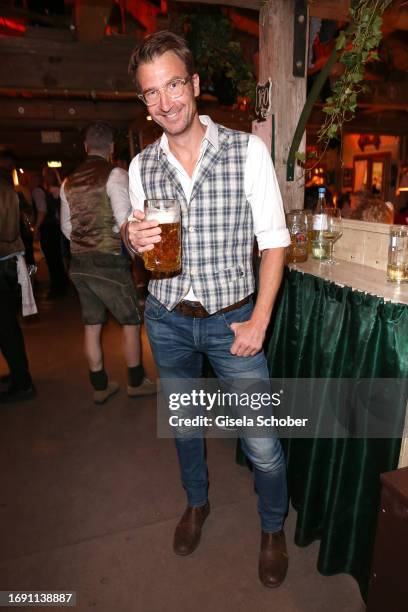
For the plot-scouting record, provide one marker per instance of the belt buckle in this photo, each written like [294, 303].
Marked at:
[199, 310]
[193, 309]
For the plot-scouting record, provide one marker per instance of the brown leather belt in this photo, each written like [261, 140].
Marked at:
[196, 309]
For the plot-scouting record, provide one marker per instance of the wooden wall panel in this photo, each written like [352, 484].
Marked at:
[32, 63]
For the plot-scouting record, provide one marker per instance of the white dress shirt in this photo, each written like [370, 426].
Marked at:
[117, 189]
[260, 184]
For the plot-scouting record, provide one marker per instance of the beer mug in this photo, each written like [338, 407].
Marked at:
[296, 223]
[166, 254]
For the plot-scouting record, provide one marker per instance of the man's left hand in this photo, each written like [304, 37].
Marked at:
[248, 339]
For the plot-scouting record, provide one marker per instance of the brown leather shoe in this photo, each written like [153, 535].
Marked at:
[273, 559]
[188, 531]
[147, 387]
[100, 397]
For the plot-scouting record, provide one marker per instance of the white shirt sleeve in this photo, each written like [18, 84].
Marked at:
[65, 214]
[136, 191]
[117, 189]
[262, 191]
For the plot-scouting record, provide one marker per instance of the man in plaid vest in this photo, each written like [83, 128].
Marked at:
[227, 188]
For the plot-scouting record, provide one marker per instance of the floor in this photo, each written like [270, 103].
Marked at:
[89, 498]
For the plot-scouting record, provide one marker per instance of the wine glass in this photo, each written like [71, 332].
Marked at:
[333, 232]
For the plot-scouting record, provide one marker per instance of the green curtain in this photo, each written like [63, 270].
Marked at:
[321, 330]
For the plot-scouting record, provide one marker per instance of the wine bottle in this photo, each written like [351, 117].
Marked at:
[319, 243]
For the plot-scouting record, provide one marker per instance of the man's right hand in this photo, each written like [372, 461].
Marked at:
[143, 235]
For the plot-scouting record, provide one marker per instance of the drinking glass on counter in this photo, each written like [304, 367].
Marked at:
[296, 224]
[333, 232]
[166, 254]
[397, 268]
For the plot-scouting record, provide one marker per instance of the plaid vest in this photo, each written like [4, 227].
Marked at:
[217, 224]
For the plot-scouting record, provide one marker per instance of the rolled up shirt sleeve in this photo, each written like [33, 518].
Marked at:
[263, 193]
[136, 191]
[117, 189]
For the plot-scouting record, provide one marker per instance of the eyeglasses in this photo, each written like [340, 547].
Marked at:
[174, 89]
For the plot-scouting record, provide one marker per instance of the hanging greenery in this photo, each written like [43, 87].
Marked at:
[219, 60]
[357, 46]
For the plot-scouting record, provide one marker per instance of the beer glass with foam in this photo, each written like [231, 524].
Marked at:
[166, 254]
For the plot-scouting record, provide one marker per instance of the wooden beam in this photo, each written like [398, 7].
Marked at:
[389, 95]
[386, 122]
[23, 113]
[247, 4]
[384, 96]
[338, 10]
[56, 114]
[65, 64]
[396, 17]
[40, 41]
[288, 93]
[95, 95]
[325, 9]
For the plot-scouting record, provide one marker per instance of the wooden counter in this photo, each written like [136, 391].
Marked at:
[358, 277]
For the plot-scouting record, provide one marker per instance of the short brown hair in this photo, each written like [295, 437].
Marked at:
[157, 44]
[99, 136]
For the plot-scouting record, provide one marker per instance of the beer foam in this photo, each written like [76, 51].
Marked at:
[163, 216]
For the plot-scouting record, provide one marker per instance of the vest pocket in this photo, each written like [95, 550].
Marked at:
[230, 275]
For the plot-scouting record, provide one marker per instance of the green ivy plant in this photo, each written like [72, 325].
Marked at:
[357, 45]
[219, 59]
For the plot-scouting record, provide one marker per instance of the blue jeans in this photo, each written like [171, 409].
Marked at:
[179, 344]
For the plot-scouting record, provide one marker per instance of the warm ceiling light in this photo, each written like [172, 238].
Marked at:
[54, 164]
[149, 118]
[21, 171]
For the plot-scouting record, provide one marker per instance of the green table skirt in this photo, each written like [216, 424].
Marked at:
[325, 331]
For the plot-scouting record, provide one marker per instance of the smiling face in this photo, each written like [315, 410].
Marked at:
[175, 115]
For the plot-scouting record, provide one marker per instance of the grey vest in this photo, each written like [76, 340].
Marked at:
[217, 224]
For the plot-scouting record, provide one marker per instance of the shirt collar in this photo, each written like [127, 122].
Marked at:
[210, 136]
